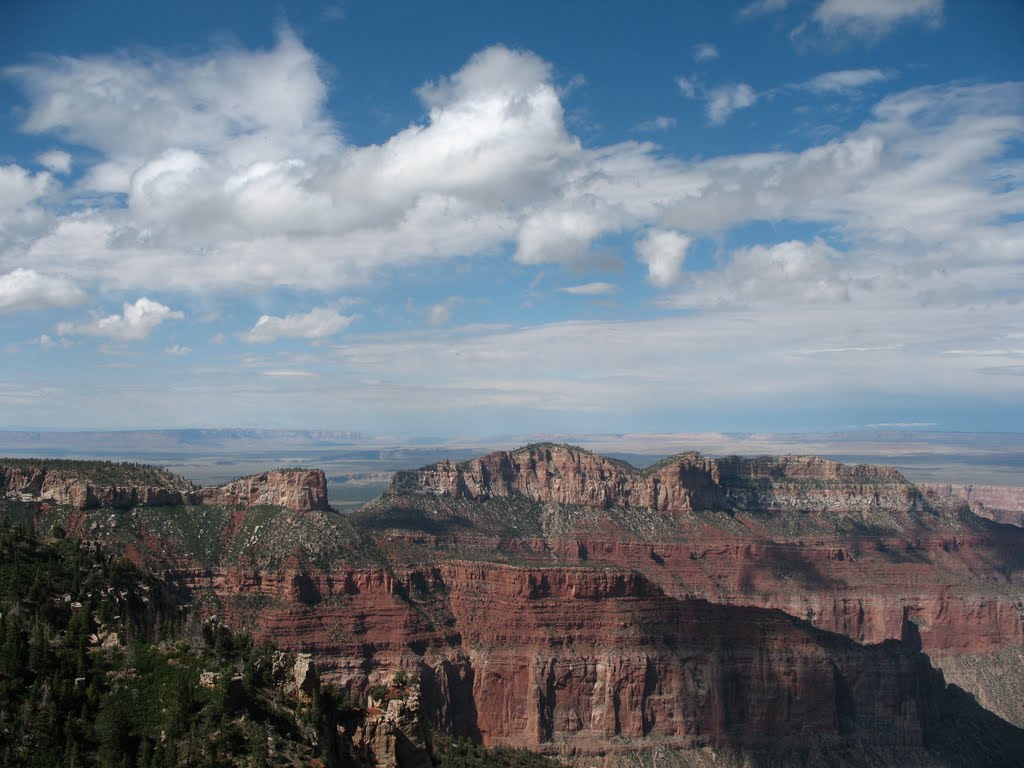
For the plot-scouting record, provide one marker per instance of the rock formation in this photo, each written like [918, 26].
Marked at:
[1002, 504]
[299, 490]
[553, 599]
[684, 483]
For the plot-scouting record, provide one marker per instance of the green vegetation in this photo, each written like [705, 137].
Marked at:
[460, 753]
[105, 473]
[99, 667]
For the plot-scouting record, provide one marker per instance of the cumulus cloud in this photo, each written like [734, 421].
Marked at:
[705, 52]
[316, 324]
[55, 160]
[844, 80]
[871, 18]
[726, 99]
[233, 185]
[27, 289]
[663, 252]
[590, 289]
[136, 322]
[178, 350]
[22, 212]
[792, 272]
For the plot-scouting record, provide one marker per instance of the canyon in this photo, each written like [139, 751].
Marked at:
[553, 599]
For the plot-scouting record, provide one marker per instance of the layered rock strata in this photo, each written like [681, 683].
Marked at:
[1000, 503]
[685, 483]
[298, 490]
[556, 600]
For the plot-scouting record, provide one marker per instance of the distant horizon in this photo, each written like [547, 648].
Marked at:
[211, 455]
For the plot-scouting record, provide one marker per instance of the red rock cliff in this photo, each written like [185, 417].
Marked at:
[298, 490]
[1001, 503]
[685, 483]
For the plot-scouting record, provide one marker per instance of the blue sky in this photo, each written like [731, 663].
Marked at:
[481, 218]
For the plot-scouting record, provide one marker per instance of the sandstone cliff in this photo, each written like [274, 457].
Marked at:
[557, 600]
[95, 485]
[685, 483]
[1000, 503]
[300, 490]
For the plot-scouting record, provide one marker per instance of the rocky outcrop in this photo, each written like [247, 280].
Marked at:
[999, 503]
[393, 734]
[62, 487]
[300, 490]
[685, 483]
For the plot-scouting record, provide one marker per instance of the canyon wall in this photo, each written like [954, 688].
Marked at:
[560, 601]
[1000, 503]
[684, 483]
[299, 490]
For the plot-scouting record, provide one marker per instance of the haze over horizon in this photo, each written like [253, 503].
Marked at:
[767, 216]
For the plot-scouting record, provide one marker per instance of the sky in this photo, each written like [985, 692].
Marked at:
[472, 218]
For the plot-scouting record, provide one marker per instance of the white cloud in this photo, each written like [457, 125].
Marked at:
[178, 350]
[18, 187]
[316, 324]
[27, 289]
[230, 159]
[726, 99]
[659, 123]
[688, 86]
[551, 368]
[289, 374]
[664, 253]
[441, 312]
[227, 194]
[564, 233]
[590, 289]
[55, 160]
[792, 273]
[902, 425]
[137, 322]
[705, 52]
[844, 80]
[871, 18]
[22, 212]
[763, 7]
[248, 103]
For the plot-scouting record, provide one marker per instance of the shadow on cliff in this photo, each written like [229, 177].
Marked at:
[967, 734]
[448, 698]
[782, 564]
[411, 519]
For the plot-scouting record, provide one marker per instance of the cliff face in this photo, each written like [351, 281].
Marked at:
[999, 503]
[80, 492]
[584, 661]
[685, 483]
[298, 490]
[556, 600]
